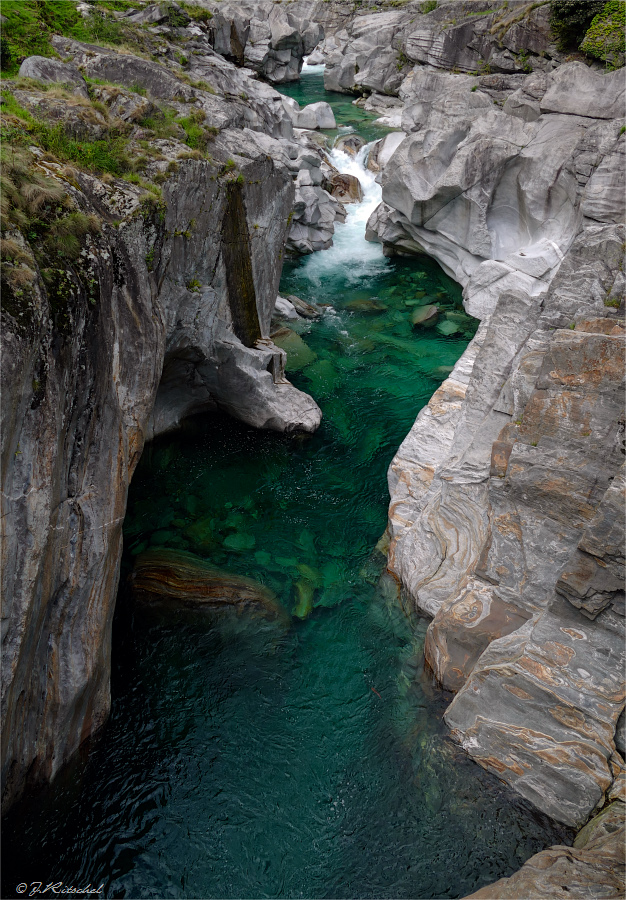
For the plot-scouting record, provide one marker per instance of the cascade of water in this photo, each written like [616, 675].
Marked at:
[350, 252]
[311, 70]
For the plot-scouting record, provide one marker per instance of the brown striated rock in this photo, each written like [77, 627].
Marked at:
[463, 628]
[590, 870]
[346, 188]
[179, 579]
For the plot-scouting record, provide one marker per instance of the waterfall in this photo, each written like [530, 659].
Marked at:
[350, 252]
[311, 70]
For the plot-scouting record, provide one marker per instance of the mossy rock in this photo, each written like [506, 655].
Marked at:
[448, 327]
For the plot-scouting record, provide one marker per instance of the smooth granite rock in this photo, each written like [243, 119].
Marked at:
[53, 71]
[316, 115]
[507, 496]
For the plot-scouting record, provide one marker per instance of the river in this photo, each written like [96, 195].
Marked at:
[238, 763]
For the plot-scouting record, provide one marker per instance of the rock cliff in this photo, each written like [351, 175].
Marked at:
[145, 215]
[506, 516]
[138, 288]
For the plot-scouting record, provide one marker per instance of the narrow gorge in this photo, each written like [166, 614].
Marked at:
[313, 442]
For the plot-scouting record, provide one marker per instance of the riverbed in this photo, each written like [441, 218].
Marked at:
[243, 762]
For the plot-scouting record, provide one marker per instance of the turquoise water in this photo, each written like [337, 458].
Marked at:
[310, 89]
[242, 761]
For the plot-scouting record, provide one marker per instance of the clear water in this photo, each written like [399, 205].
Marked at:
[310, 89]
[242, 762]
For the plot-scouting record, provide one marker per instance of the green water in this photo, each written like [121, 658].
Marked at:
[243, 762]
[310, 89]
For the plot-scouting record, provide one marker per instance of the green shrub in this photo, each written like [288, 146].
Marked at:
[196, 13]
[605, 37]
[28, 25]
[570, 19]
[428, 6]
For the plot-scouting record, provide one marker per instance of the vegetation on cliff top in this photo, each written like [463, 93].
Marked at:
[593, 26]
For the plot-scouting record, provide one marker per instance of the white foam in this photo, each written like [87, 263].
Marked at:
[311, 70]
[350, 251]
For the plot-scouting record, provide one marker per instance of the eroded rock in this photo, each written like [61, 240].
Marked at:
[177, 579]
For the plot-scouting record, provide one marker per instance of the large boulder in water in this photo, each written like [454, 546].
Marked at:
[179, 579]
[316, 115]
[349, 143]
[346, 188]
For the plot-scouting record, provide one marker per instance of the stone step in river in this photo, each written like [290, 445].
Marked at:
[244, 760]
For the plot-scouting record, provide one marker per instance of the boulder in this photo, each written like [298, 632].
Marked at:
[383, 150]
[349, 143]
[316, 115]
[78, 117]
[306, 310]
[346, 188]
[179, 580]
[284, 309]
[425, 315]
[577, 90]
[53, 71]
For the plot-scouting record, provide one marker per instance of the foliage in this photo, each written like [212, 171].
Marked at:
[197, 13]
[428, 6]
[570, 19]
[403, 60]
[29, 24]
[54, 231]
[108, 155]
[605, 38]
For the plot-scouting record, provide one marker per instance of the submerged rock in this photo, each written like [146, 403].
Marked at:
[178, 579]
[425, 315]
[372, 305]
[299, 354]
[304, 598]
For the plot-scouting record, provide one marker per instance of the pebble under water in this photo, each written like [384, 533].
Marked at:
[244, 762]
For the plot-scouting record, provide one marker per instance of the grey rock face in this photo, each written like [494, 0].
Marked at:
[166, 313]
[54, 71]
[577, 90]
[375, 51]
[316, 115]
[507, 496]
[265, 37]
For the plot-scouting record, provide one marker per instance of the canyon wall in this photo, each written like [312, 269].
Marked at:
[505, 519]
[128, 304]
[507, 497]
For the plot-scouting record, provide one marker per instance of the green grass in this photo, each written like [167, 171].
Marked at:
[29, 24]
[97, 156]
